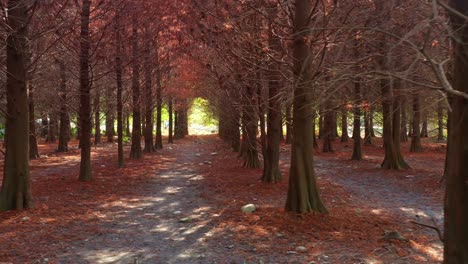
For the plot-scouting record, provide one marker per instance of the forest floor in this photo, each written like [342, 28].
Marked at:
[182, 205]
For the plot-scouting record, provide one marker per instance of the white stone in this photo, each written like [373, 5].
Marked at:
[301, 249]
[248, 208]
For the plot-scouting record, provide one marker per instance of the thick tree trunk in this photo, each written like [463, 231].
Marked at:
[357, 141]
[118, 75]
[416, 136]
[16, 185]
[64, 130]
[393, 158]
[33, 149]
[303, 194]
[344, 125]
[85, 94]
[456, 196]
[135, 150]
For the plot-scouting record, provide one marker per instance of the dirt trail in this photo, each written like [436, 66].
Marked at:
[169, 223]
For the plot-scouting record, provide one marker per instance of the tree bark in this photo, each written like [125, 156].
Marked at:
[110, 115]
[33, 149]
[249, 138]
[456, 194]
[328, 128]
[97, 118]
[64, 131]
[118, 75]
[289, 124]
[440, 121]
[303, 194]
[170, 139]
[344, 125]
[135, 150]
[357, 141]
[271, 170]
[424, 131]
[16, 185]
[159, 143]
[404, 120]
[85, 94]
[52, 134]
[367, 129]
[148, 98]
[416, 136]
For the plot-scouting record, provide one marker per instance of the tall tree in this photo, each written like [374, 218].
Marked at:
[303, 194]
[135, 151]
[271, 171]
[16, 186]
[85, 94]
[118, 77]
[456, 194]
[64, 131]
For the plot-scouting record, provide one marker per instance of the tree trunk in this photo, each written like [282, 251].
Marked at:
[289, 124]
[148, 98]
[52, 134]
[344, 125]
[135, 150]
[64, 130]
[367, 129]
[440, 121]
[44, 127]
[271, 170]
[159, 143]
[97, 118]
[171, 121]
[303, 194]
[393, 158]
[328, 128]
[118, 75]
[371, 122]
[456, 196]
[416, 136]
[110, 115]
[357, 142]
[85, 95]
[404, 121]
[33, 149]
[16, 185]
[424, 132]
[249, 138]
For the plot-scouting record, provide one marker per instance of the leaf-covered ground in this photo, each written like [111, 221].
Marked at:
[182, 205]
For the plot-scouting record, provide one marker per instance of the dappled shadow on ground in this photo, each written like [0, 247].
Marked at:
[364, 202]
[135, 213]
[122, 216]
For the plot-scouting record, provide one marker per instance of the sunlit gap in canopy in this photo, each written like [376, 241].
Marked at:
[202, 120]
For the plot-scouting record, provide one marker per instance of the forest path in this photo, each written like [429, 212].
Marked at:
[398, 195]
[169, 223]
